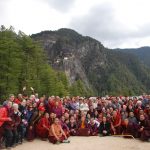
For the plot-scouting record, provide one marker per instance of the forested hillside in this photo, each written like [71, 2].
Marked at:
[24, 63]
[65, 63]
[103, 70]
[143, 53]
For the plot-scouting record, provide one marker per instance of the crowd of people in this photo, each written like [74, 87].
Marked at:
[28, 117]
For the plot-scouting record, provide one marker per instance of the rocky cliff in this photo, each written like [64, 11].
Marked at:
[102, 70]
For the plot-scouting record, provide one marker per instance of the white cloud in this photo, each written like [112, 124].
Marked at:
[116, 23]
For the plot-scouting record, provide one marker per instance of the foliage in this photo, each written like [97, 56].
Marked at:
[23, 63]
[107, 71]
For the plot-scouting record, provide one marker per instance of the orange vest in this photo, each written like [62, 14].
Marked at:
[57, 129]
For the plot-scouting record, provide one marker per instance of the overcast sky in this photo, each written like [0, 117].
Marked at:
[115, 23]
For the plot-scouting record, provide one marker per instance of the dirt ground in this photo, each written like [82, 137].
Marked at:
[88, 143]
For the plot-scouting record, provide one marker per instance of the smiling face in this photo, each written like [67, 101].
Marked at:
[131, 114]
[126, 121]
[56, 104]
[12, 98]
[56, 121]
[63, 118]
[92, 121]
[72, 120]
[52, 115]
[114, 113]
[47, 115]
[104, 119]
[141, 112]
[9, 105]
[15, 107]
[142, 117]
[24, 103]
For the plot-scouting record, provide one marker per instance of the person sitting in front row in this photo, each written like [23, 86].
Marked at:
[42, 127]
[105, 127]
[56, 133]
[128, 128]
[93, 129]
[83, 129]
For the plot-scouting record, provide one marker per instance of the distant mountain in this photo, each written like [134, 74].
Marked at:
[142, 53]
[102, 70]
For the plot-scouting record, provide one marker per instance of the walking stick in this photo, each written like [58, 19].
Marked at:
[127, 135]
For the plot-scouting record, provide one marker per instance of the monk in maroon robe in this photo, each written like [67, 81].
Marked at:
[52, 118]
[116, 122]
[56, 133]
[57, 109]
[37, 115]
[83, 127]
[42, 127]
[64, 126]
[51, 104]
[128, 128]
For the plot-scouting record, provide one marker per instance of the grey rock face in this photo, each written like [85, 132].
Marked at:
[86, 59]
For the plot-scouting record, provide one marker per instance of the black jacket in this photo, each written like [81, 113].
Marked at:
[106, 126]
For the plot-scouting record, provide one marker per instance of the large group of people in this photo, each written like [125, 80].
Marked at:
[55, 119]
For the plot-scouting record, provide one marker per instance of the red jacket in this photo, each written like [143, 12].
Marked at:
[3, 115]
[17, 101]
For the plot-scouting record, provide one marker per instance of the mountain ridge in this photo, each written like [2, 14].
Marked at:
[143, 53]
[86, 59]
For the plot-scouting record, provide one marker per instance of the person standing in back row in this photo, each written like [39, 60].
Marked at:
[4, 117]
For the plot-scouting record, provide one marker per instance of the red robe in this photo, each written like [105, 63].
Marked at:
[51, 104]
[57, 111]
[93, 129]
[116, 121]
[145, 134]
[83, 129]
[128, 129]
[41, 131]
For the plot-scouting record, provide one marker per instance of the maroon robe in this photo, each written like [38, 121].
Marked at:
[57, 129]
[16, 117]
[58, 111]
[65, 128]
[116, 121]
[41, 131]
[50, 106]
[53, 140]
[83, 131]
[145, 134]
[93, 129]
[31, 128]
[129, 129]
